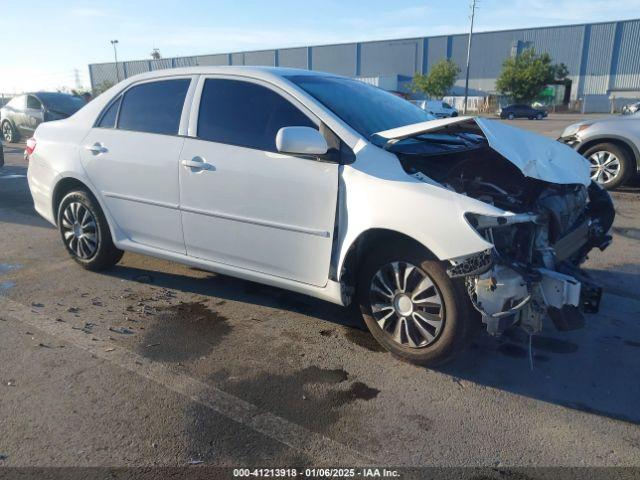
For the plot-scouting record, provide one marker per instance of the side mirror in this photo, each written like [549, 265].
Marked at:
[301, 141]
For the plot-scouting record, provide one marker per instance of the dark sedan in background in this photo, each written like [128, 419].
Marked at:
[522, 111]
[20, 117]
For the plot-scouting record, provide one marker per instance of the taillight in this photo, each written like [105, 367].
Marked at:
[31, 146]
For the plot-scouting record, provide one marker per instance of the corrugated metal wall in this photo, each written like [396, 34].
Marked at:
[601, 57]
[627, 60]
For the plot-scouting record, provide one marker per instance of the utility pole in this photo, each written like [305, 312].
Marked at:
[466, 80]
[115, 56]
[76, 76]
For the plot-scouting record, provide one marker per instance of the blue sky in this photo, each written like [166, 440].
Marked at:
[52, 38]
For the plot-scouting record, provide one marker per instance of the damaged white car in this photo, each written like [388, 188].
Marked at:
[329, 187]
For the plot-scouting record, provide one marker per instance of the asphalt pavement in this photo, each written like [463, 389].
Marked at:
[154, 363]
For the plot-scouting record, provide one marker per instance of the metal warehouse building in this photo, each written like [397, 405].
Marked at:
[603, 59]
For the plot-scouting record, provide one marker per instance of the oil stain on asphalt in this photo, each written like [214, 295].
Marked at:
[311, 396]
[184, 331]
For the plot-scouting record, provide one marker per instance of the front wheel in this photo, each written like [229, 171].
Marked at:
[539, 116]
[412, 307]
[85, 232]
[511, 116]
[611, 166]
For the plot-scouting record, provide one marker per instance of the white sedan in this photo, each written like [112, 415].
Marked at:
[326, 186]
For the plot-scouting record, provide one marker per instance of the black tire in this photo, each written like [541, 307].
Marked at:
[511, 116]
[459, 321]
[106, 255]
[626, 163]
[539, 116]
[9, 132]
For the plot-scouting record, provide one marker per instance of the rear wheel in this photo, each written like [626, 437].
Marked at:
[411, 306]
[611, 165]
[85, 232]
[8, 132]
[539, 116]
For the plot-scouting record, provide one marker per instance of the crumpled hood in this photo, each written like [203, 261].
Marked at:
[534, 155]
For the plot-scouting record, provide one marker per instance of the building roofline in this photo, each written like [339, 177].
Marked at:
[376, 41]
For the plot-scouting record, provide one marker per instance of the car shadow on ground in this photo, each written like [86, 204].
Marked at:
[238, 290]
[594, 369]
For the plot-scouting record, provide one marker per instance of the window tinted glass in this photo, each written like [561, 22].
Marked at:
[245, 114]
[108, 119]
[366, 108]
[62, 102]
[33, 102]
[154, 107]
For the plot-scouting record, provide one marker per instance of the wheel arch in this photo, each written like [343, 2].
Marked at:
[366, 240]
[68, 183]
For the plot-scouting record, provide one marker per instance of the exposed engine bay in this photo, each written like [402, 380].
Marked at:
[533, 269]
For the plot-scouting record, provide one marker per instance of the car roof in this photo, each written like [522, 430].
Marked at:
[250, 71]
[50, 93]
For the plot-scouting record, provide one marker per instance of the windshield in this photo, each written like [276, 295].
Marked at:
[365, 108]
[61, 102]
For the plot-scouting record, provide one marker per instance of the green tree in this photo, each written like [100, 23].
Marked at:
[103, 87]
[524, 76]
[438, 81]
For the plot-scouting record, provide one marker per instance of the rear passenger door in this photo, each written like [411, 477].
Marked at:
[131, 157]
[243, 203]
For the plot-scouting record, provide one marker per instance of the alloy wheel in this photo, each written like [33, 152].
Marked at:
[605, 166]
[406, 304]
[79, 230]
[7, 132]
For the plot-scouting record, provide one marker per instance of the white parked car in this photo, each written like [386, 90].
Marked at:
[326, 186]
[437, 108]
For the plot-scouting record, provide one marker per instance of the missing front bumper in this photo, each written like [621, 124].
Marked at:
[505, 297]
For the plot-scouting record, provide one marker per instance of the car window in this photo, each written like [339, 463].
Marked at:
[367, 109]
[61, 102]
[245, 114]
[108, 119]
[446, 105]
[33, 102]
[154, 107]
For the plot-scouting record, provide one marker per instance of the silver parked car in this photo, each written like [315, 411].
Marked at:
[612, 146]
[631, 109]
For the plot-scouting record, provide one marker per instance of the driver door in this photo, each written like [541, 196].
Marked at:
[243, 203]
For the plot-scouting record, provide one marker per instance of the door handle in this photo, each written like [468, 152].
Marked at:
[97, 148]
[197, 163]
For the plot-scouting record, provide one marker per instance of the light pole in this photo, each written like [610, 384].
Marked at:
[466, 80]
[115, 56]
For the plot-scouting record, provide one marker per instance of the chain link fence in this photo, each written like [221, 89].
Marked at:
[105, 75]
